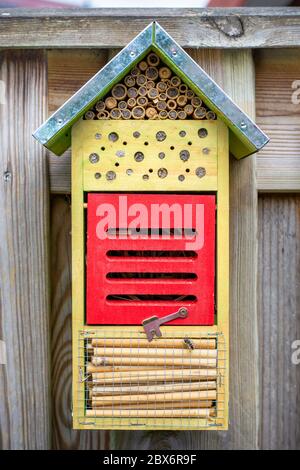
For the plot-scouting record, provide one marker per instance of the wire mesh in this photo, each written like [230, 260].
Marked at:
[176, 381]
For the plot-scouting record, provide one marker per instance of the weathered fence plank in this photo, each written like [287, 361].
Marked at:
[214, 27]
[24, 306]
[278, 114]
[279, 320]
[231, 70]
[64, 437]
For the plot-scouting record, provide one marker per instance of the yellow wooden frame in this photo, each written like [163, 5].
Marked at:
[81, 134]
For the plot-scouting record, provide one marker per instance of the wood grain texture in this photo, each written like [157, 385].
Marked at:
[24, 315]
[232, 69]
[108, 28]
[279, 320]
[278, 114]
[64, 437]
[68, 70]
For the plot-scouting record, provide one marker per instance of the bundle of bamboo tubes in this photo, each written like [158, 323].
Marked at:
[164, 378]
[150, 91]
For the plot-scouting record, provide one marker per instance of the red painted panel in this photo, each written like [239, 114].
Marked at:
[134, 272]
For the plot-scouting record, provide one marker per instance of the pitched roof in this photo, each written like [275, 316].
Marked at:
[245, 136]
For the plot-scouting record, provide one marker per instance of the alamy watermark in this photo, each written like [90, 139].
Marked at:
[296, 353]
[164, 221]
[295, 98]
[2, 92]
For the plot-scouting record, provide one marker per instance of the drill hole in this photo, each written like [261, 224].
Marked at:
[202, 132]
[187, 170]
[129, 171]
[139, 156]
[146, 143]
[150, 170]
[182, 133]
[161, 155]
[136, 134]
[172, 147]
[124, 143]
[181, 177]
[97, 175]
[102, 148]
[145, 177]
[190, 143]
[117, 164]
[113, 137]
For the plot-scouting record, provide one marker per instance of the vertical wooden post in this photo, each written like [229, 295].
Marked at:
[24, 290]
[234, 72]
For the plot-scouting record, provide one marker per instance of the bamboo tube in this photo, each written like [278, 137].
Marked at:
[150, 84]
[132, 92]
[152, 93]
[119, 91]
[127, 389]
[152, 352]
[181, 115]
[182, 100]
[135, 71]
[151, 73]
[163, 114]
[126, 114]
[89, 115]
[100, 106]
[151, 113]
[161, 86]
[157, 361]
[199, 113]
[183, 88]
[111, 102]
[131, 103]
[153, 59]
[129, 80]
[115, 113]
[161, 105]
[142, 91]
[164, 72]
[138, 112]
[103, 115]
[172, 92]
[143, 65]
[171, 104]
[196, 101]
[190, 94]
[189, 109]
[91, 368]
[141, 376]
[210, 115]
[175, 81]
[162, 97]
[202, 343]
[205, 413]
[155, 406]
[172, 114]
[141, 79]
[122, 104]
[156, 397]
[142, 101]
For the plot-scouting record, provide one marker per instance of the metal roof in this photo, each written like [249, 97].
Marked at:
[245, 136]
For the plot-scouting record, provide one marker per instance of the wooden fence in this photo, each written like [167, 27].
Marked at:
[46, 56]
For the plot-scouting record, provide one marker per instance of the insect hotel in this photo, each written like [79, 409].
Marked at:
[151, 135]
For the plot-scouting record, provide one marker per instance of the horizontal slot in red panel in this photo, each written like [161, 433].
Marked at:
[149, 258]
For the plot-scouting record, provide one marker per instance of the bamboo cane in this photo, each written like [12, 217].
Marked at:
[210, 115]
[89, 115]
[91, 368]
[164, 72]
[138, 112]
[141, 79]
[175, 81]
[172, 114]
[151, 113]
[189, 109]
[190, 94]
[119, 91]
[122, 104]
[143, 65]
[111, 102]
[152, 93]
[156, 397]
[205, 413]
[142, 101]
[129, 81]
[163, 114]
[161, 87]
[132, 92]
[161, 105]
[135, 71]
[126, 114]
[100, 106]
[115, 113]
[172, 92]
[131, 103]
[182, 100]
[202, 343]
[196, 101]
[142, 91]
[199, 113]
[151, 73]
[155, 406]
[183, 88]
[173, 387]
[153, 59]
[171, 104]
[150, 84]
[181, 115]
[147, 376]
[162, 97]
[103, 115]
[154, 353]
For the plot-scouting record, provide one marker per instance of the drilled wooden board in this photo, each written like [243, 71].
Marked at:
[24, 281]
[211, 28]
[278, 114]
[94, 138]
